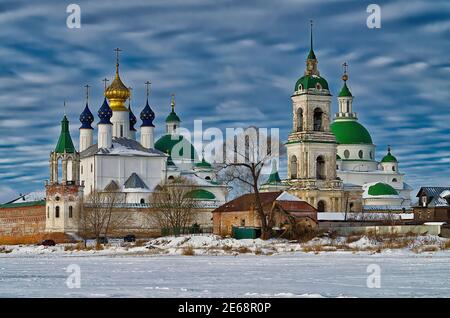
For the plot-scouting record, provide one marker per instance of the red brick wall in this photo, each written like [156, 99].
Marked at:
[22, 220]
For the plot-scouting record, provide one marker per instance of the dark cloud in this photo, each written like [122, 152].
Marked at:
[230, 63]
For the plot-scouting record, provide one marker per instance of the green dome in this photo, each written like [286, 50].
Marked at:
[310, 81]
[381, 189]
[389, 157]
[350, 132]
[166, 143]
[345, 92]
[201, 194]
[172, 117]
[203, 164]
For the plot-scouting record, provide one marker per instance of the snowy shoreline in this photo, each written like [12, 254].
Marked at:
[212, 245]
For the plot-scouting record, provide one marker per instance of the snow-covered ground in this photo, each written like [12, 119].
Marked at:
[227, 268]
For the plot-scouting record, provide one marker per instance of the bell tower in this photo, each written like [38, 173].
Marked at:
[63, 190]
[311, 146]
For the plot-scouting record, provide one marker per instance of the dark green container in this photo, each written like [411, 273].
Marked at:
[243, 232]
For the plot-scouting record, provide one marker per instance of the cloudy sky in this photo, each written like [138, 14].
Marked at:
[230, 63]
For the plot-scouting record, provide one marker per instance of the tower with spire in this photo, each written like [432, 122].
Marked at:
[117, 94]
[311, 146]
[64, 189]
[147, 127]
[86, 130]
[172, 120]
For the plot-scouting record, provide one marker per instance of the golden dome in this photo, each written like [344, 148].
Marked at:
[117, 93]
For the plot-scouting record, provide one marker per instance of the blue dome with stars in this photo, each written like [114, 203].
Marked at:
[105, 113]
[86, 118]
[133, 119]
[147, 116]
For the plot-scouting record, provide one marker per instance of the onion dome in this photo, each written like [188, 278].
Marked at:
[350, 132]
[389, 157]
[86, 118]
[65, 143]
[168, 141]
[147, 116]
[132, 118]
[381, 189]
[105, 113]
[117, 93]
[173, 117]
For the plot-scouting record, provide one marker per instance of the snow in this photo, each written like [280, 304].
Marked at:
[31, 197]
[369, 216]
[287, 197]
[403, 274]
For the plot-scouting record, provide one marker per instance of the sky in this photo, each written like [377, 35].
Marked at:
[231, 64]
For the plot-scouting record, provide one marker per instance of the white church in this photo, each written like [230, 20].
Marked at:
[120, 161]
[332, 164]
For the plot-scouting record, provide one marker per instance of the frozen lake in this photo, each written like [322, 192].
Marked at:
[403, 274]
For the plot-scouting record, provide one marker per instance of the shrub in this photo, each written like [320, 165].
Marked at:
[243, 250]
[188, 251]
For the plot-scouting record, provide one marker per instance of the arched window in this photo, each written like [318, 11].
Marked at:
[346, 154]
[142, 201]
[300, 87]
[294, 167]
[321, 206]
[371, 155]
[300, 119]
[351, 207]
[207, 178]
[318, 114]
[360, 154]
[121, 130]
[394, 180]
[70, 211]
[320, 168]
[92, 167]
[57, 212]
[318, 86]
[393, 168]
[171, 177]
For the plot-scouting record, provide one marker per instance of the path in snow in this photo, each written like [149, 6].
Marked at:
[403, 274]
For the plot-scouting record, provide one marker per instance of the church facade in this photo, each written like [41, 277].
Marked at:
[119, 161]
[331, 164]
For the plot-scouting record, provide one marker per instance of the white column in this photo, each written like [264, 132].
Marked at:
[121, 123]
[104, 135]
[147, 137]
[86, 138]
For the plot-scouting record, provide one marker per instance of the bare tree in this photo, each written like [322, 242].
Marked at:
[97, 215]
[173, 205]
[246, 156]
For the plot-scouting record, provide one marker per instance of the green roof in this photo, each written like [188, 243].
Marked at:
[345, 92]
[172, 117]
[389, 157]
[274, 178]
[311, 55]
[65, 143]
[203, 164]
[201, 194]
[381, 189]
[310, 81]
[166, 143]
[338, 157]
[350, 132]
